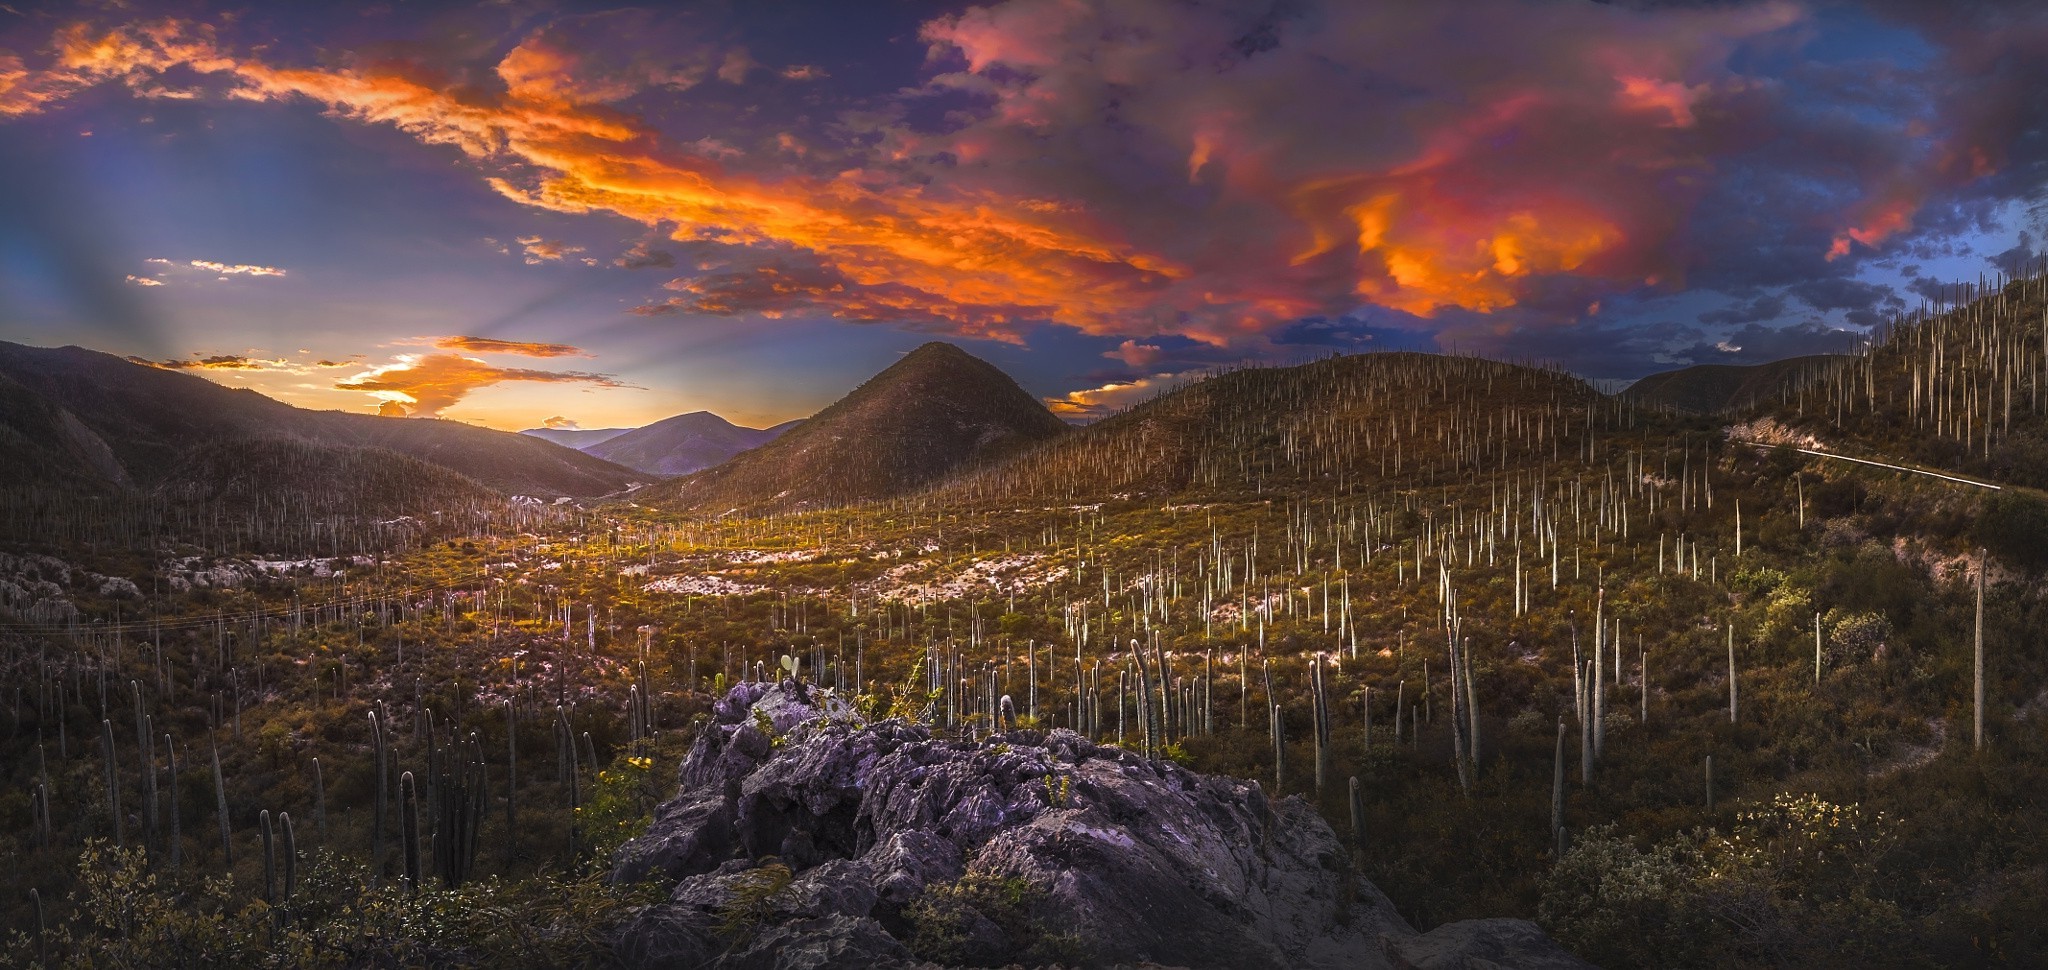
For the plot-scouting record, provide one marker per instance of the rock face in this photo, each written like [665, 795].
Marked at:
[805, 837]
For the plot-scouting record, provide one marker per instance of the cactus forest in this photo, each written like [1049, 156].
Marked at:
[1528, 483]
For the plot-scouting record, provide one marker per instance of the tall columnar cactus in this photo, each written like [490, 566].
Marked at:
[1471, 705]
[269, 869]
[1731, 670]
[42, 942]
[149, 793]
[1319, 727]
[409, 832]
[1977, 708]
[112, 778]
[1557, 792]
[177, 837]
[1357, 816]
[220, 801]
[1279, 753]
[1145, 714]
[1599, 695]
[511, 776]
[377, 818]
[291, 865]
[461, 798]
[319, 802]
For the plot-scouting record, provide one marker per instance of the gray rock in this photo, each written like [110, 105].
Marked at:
[1137, 861]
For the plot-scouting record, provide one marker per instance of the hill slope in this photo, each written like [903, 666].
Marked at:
[1718, 388]
[73, 402]
[1339, 422]
[937, 410]
[682, 444]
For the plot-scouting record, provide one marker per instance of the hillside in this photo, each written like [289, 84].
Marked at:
[1720, 388]
[1961, 390]
[937, 410]
[1341, 423]
[682, 444]
[146, 418]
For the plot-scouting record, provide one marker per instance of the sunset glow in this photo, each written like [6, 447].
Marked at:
[1057, 180]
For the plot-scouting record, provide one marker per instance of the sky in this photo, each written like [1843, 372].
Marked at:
[525, 213]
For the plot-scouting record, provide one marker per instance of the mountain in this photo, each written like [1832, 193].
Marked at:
[89, 417]
[1718, 388]
[937, 410]
[682, 444]
[1335, 423]
[580, 439]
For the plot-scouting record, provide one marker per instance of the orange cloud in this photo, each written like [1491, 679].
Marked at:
[1877, 221]
[974, 251]
[1572, 147]
[218, 362]
[424, 385]
[524, 348]
[540, 250]
[1092, 403]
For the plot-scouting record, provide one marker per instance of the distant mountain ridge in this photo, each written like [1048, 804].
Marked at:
[936, 411]
[87, 418]
[683, 444]
[1720, 388]
[580, 439]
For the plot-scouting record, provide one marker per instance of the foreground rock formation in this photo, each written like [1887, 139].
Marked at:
[805, 837]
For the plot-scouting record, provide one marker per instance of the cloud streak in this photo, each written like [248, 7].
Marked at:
[523, 348]
[424, 385]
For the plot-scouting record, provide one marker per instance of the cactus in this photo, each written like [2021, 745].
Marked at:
[409, 832]
[269, 870]
[1710, 783]
[1977, 716]
[1731, 671]
[177, 837]
[42, 943]
[460, 797]
[1471, 706]
[319, 802]
[113, 778]
[1357, 815]
[150, 801]
[291, 865]
[1557, 791]
[1598, 698]
[1144, 698]
[377, 818]
[511, 776]
[220, 796]
[1279, 754]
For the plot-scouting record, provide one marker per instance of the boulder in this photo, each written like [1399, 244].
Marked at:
[804, 836]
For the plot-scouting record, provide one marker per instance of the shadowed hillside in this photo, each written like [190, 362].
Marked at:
[1718, 388]
[148, 418]
[1339, 423]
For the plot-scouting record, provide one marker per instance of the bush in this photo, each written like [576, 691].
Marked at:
[987, 920]
[2014, 527]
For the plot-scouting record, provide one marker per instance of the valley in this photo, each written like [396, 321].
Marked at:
[1529, 650]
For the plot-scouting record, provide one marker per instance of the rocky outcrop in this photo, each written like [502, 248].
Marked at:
[802, 836]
